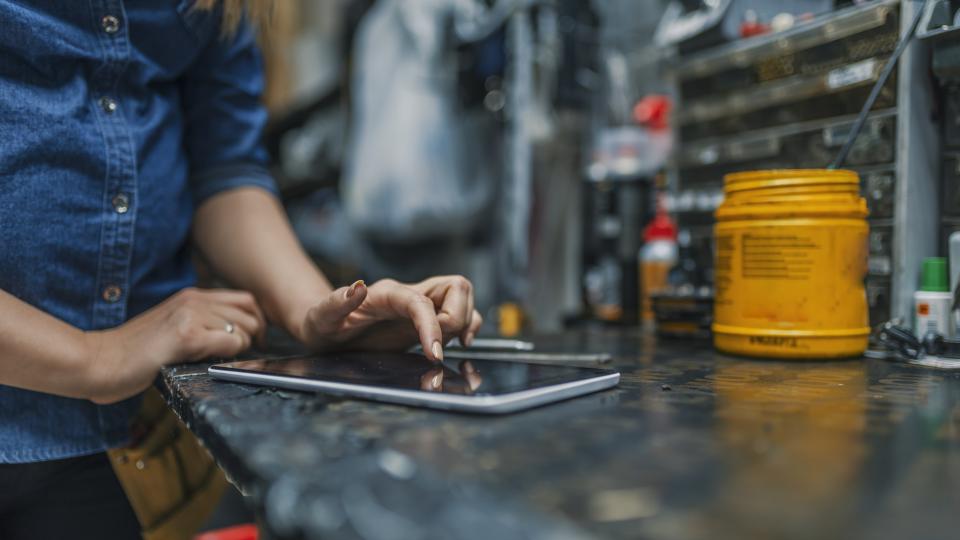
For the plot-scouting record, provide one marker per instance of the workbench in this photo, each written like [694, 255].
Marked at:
[691, 445]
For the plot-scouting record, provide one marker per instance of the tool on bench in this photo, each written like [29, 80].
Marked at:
[934, 350]
[531, 357]
[495, 344]
[512, 350]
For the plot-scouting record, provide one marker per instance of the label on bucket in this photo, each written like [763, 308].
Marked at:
[787, 257]
[790, 277]
[777, 256]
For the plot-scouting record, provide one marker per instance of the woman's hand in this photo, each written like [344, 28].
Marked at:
[191, 325]
[245, 236]
[390, 315]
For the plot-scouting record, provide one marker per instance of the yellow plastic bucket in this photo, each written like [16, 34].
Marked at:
[790, 261]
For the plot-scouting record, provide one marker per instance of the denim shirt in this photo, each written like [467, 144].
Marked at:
[117, 119]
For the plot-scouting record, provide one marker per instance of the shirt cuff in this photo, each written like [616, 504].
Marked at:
[226, 177]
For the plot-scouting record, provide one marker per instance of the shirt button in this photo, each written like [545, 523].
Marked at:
[112, 293]
[121, 203]
[108, 105]
[110, 24]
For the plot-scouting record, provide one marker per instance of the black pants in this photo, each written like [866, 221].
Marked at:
[75, 498]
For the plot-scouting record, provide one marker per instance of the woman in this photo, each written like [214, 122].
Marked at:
[129, 142]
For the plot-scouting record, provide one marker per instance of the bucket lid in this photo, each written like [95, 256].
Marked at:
[934, 275]
[751, 180]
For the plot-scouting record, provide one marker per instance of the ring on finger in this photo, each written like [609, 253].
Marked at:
[229, 327]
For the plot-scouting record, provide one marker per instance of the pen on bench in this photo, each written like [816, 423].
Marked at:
[542, 358]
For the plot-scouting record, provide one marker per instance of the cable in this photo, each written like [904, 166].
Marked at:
[875, 91]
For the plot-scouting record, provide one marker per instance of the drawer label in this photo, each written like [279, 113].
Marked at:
[852, 74]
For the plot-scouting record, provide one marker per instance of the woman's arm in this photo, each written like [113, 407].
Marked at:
[39, 352]
[245, 236]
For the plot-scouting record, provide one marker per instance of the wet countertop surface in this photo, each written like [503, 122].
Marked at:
[690, 445]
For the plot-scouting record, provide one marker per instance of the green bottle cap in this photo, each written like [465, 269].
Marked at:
[934, 275]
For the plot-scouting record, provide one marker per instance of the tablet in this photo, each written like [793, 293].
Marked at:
[475, 385]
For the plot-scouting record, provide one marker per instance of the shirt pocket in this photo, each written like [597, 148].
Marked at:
[172, 36]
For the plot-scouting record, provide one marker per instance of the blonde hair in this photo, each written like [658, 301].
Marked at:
[256, 12]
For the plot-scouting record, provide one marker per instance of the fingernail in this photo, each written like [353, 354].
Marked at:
[467, 341]
[354, 288]
[437, 380]
[437, 351]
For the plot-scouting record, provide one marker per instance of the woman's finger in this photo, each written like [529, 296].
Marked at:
[476, 321]
[242, 300]
[330, 312]
[455, 308]
[215, 324]
[207, 335]
[471, 310]
[406, 302]
[239, 318]
[220, 343]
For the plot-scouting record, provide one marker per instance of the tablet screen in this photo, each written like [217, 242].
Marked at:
[414, 372]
